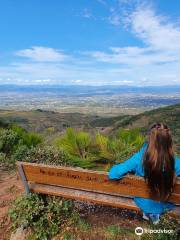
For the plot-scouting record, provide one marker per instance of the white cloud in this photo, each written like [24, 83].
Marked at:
[132, 56]
[155, 30]
[42, 54]
[156, 61]
[160, 38]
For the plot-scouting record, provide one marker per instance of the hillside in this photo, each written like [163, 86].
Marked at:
[169, 115]
[41, 120]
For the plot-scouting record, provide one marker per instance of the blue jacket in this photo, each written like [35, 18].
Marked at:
[134, 164]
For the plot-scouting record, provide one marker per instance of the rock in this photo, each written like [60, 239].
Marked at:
[20, 234]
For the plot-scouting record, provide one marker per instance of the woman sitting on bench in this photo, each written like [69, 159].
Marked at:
[157, 164]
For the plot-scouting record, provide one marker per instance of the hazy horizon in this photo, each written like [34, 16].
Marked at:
[87, 85]
[102, 100]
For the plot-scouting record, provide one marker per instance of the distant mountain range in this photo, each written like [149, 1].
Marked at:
[89, 90]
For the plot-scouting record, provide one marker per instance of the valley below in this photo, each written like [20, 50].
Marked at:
[102, 101]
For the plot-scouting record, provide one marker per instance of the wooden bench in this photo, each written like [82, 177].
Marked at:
[87, 185]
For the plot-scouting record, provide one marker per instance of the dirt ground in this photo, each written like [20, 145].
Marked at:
[10, 188]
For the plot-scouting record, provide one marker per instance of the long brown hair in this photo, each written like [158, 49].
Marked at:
[158, 162]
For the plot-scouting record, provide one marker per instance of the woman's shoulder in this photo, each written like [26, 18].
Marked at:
[177, 160]
[177, 166]
[139, 155]
[143, 148]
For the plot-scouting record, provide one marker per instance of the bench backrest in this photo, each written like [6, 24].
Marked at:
[85, 180]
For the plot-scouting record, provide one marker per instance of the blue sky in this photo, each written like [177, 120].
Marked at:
[90, 42]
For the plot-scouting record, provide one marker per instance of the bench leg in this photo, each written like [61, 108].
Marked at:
[23, 177]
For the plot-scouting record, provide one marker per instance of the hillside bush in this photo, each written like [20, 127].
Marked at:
[15, 143]
[29, 139]
[47, 155]
[2, 158]
[132, 137]
[168, 223]
[44, 215]
[8, 141]
[119, 147]
[85, 150]
[74, 148]
[19, 154]
[53, 156]
[3, 124]
[80, 147]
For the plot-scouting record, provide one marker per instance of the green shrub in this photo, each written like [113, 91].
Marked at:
[168, 223]
[29, 139]
[47, 155]
[15, 143]
[78, 162]
[3, 158]
[84, 225]
[3, 124]
[20, 154]
[119, 147]
[8, 140]
[84, 150]
[52, 156]
[79, 145]
[117, 232]
[68, 236]
[42, 214]
[131, 137]
[33, 139]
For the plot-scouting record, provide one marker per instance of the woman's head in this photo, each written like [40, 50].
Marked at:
[158, 161]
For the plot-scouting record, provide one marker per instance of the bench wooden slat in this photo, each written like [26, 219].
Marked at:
[97, 198]
[88, 180]
[81, 195]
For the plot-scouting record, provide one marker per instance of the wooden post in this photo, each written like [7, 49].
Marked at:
[23, 177]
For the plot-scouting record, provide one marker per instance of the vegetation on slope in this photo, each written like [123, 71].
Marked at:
[43, 215]
[169, 115]
[88, 150]
[51, 123]
[74, 147]
[15, 142]
[42, 120]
